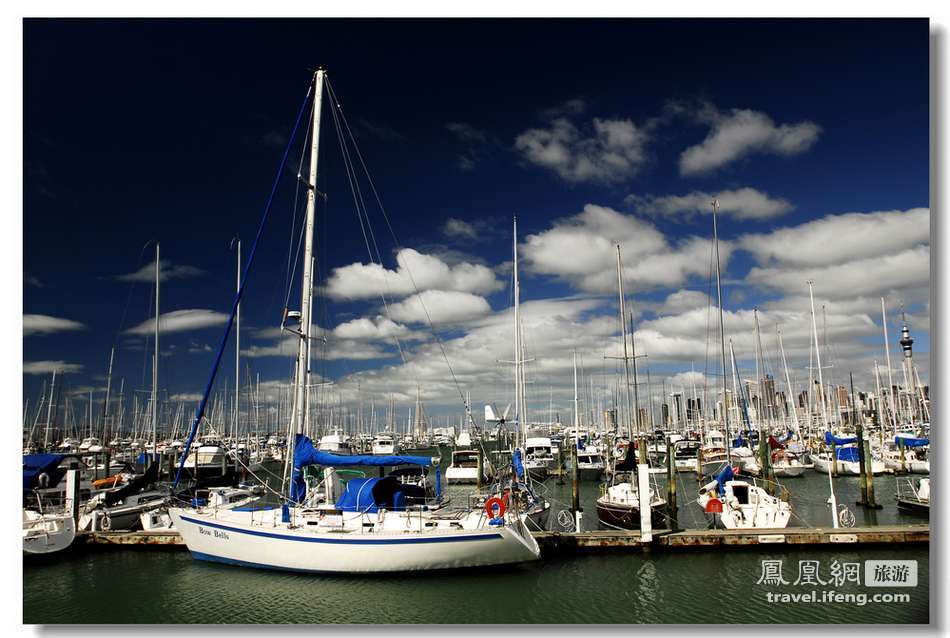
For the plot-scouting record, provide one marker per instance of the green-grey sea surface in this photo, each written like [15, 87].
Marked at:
[696, 586]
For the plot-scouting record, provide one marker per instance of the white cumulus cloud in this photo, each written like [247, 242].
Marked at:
[45, 324]
[181, 321]
[611, 150]
[48, 367]
[742, 132]
[741, 203]
[440, 307]
[427, 272]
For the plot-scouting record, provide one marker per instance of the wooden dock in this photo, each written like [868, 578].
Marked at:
[567, 543]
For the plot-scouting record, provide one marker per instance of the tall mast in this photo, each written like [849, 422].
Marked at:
[237, 347]
[821, 381]
[519, 373]
[890, 376]
[788, 385]
[722, 333]
[155, 357]
[105, 402]
[300, 396]
[623, 338]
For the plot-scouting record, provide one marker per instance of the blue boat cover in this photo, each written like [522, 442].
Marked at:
[516, 462]
[848, 453]
[725, 474]
[910, 441]
[305, 454]
[788, 436]
[36, 464]
[739, 441]
[839, 440]
[358, 496]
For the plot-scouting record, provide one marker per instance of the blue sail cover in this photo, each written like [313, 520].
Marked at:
[738, 441]
[851, 453]
[910, 441]
[726, 474]
[36, 464]
[788, 436]
[305, 454]
[517, 464]
[358, 496]
[839, 440]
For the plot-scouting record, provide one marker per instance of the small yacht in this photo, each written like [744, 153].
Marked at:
[210, 453]
[914, 498]
[538, 457]
[737, 504]
[590, 464]
[46, 533]
[336, 442]
[787, 464]
[908, 454]
[385, 443]
[464, 468]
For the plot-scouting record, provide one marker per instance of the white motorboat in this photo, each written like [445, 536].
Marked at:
[385, 443]
[538, 458]
[336, 442]
[464, 468]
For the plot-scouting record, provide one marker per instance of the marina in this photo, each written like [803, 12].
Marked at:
[318, 390]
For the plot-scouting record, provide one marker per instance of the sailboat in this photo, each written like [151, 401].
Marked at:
[620, 502]
[733, 502]
[373, 525]
[739, 504]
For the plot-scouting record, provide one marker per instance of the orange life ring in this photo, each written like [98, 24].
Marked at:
[490, 505]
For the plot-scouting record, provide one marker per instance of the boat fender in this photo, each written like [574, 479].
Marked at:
[105, 523]
[43, 480]
[491, 504]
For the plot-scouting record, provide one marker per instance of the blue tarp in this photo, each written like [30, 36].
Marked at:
[909, 441]
[726, 474]
[839, 440]
[36, 464]
[358, 496]
[517, 464]
[848, 453]
[305, 454]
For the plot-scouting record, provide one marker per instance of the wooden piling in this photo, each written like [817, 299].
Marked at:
[868, 480]
[575, 486]
[478, 473]
[671, 485]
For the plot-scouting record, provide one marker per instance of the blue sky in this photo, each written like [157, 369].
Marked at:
[813, 135]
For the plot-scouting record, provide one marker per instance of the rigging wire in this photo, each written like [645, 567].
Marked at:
[396, 243]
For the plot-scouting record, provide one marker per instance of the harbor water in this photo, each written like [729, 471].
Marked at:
[709, 585]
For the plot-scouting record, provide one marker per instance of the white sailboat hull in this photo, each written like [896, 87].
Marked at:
[46, 534]
[846, 468]
[296, 549]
